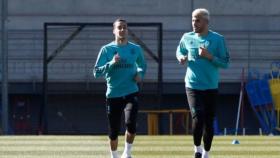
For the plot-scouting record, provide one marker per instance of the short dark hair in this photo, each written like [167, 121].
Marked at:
[119, 20]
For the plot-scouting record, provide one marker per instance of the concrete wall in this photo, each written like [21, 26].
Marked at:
[26, 18]
[175, 14]
[235, 19]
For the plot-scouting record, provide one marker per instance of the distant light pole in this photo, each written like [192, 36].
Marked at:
[4, 50]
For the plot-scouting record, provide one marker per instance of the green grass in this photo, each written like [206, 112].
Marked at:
[145, 147]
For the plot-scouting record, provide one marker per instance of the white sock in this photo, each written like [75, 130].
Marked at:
[205, 154]
[127, 149]
[198, 149]
[114, 154]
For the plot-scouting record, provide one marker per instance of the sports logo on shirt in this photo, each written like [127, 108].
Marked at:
[123, 64]
[205, 44]
[192, 43]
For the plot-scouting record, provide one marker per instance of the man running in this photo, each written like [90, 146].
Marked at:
[206, 52]
[123, 65]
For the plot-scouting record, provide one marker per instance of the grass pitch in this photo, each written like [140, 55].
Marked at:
[145, 147]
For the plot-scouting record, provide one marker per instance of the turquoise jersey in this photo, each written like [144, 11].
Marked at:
[203, 74]
[120, 76]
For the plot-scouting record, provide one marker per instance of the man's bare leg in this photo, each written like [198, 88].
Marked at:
[129, 139]
[114, 147]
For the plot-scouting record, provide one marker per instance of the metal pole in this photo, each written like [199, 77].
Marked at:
[192, 8]
[4, 49]
[160, 77]
[43, 124]
[240, 102]
[249, 54]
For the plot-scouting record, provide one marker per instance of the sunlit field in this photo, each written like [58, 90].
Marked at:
[145, 147]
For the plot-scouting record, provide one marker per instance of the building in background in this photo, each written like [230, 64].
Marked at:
[250, 28]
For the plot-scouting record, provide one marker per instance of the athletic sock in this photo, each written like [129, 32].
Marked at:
[197, 149]
[114, 154]
[205, 154]
[127, 149]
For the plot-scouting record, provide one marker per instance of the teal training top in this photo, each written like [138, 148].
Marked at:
[120, 76]
[203, 74]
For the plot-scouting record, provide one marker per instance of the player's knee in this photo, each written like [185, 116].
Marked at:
[198, 118]
[131, 128]
[113, 134]
[209, 125]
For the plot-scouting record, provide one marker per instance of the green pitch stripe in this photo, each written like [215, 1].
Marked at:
[225, 153]
[51, 153]
[145, 147]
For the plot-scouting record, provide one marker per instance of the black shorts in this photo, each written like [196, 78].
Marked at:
[202, 102]
[115, 108]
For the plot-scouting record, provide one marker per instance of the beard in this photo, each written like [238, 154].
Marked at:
[198, 30]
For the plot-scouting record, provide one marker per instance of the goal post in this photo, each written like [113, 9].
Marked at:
[62, 41]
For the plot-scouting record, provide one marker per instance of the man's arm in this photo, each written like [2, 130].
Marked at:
[141, 66]
[103, 65]
[181, 52]
[222, 57]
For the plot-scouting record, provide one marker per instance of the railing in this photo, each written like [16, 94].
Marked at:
[251, 50]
